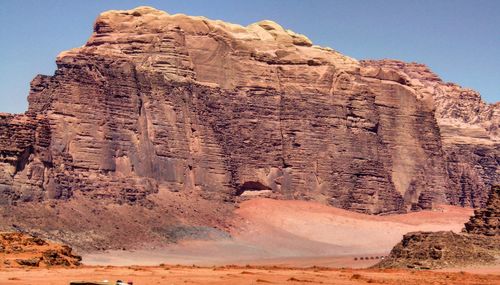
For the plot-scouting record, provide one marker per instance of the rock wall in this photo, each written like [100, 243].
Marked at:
[156, 102]
[469, 130]
[20, 175]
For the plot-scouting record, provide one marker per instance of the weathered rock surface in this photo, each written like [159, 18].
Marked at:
[18, 249]
[486, 221]
[155, 104]
[469, 130]
[429, 250]
[479, 244]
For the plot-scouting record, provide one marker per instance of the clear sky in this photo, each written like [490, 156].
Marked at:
[459, 40]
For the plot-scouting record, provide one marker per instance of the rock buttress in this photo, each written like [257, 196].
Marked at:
[156, 102]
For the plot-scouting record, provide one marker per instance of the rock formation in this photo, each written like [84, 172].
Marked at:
[18, 249]
[469, 131]
[479, 244]
[486, 221]
[155, 104]
[430, 250]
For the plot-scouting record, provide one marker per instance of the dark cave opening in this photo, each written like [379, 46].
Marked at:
[251, 186]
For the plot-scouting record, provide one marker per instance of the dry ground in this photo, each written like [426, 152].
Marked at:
[293, 233]
[233, 275]
[279, 239]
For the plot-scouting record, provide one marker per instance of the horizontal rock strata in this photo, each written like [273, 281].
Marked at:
[486, 221]
[156, 103]
[431, 250]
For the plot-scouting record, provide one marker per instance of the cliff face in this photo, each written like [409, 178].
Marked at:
[469, 131]
[156, 103]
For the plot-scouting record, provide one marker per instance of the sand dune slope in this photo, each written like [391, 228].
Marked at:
[295, 233]
[308, 228]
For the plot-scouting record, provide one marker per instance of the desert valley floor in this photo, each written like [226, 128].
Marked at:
[167, 275]
[293, 233]
[277, 242]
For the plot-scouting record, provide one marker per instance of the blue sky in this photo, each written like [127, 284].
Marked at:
[459, 40]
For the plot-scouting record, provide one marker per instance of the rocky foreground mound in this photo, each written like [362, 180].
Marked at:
[478, 244]
[428, 250]
[160, 120]
[18, 249]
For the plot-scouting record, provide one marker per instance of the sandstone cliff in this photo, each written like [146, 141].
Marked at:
[469, 131]
[155, 104]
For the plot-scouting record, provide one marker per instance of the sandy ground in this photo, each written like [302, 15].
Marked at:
[294, 233]
[276, 242]
[239, 275]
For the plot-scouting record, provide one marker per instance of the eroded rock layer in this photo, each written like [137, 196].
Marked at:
[486, 221]
[430, 250]
[478, 244]
[158, 103]
[18, 249]
[469, 131]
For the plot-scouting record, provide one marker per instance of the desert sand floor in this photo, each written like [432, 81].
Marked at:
[296, 234]
[239, 275]
[280, 240]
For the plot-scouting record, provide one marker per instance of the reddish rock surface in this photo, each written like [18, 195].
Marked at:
[197, 112]
[486, 221]
[479, 244]
[469, 130]
[430, 250]
[22, 250]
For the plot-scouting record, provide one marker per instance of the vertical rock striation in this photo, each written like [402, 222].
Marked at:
[156, 102]
[469, 130]
[486, 221]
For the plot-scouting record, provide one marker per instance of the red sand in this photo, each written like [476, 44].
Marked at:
[165, 275]
[295, 233]
[279, 239]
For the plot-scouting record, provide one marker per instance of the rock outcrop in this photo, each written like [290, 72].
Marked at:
[486, 221]
[479, 244]
[155, 104]
[18, 249]
[430, 250]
